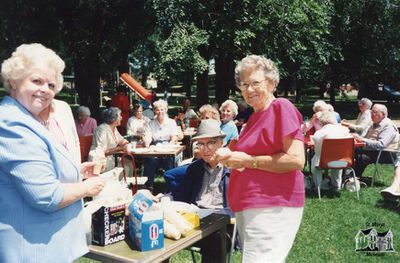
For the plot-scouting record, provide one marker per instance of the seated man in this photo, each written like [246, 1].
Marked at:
[174, 176]
[205, 182]
[189, 113]
[382, 135]
[330, 129]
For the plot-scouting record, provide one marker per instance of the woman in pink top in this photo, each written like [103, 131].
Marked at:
[266, 189]
[85, 125]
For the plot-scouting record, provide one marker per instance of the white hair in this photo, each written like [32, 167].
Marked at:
[367, 102]
[83, 110]
[207, 108]
[326, 117]
[25, 58]
[319, 104]
[161, 104]
[260, 63]
[232, 104]
[329, 107]
[382, 108]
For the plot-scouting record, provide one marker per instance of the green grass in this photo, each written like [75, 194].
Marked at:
[329, 225]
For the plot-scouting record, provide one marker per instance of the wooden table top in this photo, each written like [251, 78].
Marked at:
[156, 151]
[124, 251]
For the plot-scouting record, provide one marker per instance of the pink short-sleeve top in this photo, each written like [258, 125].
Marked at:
[263, 135]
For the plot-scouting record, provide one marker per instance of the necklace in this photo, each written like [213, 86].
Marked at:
[46, 124]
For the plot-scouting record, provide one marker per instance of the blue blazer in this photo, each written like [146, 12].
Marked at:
[192, 181]
[33, 167]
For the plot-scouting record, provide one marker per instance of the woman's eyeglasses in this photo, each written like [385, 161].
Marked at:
[254, 84]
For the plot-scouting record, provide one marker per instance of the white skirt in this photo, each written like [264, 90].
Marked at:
[267, 234]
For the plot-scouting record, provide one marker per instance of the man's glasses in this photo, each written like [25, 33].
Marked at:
[255, 84]
[209, 145]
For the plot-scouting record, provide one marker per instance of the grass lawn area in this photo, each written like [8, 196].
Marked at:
[329, 226]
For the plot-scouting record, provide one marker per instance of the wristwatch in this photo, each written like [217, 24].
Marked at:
[254, 163]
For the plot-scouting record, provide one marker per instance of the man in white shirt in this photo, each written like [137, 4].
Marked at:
[382, 135]
[189, 113]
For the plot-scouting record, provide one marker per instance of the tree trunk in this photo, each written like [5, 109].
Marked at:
[231, 73]
[187, 81]
[202, 79]
[87, 81]
[202, 88]
[284, 83]
[224, 78]
[299, 89]
[332, 93]
[145, 73]
[287, 84]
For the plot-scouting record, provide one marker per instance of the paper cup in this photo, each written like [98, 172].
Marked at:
[132, 146]
[99, 163]
[97, 168]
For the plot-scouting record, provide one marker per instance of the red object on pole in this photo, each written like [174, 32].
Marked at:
[135, 86]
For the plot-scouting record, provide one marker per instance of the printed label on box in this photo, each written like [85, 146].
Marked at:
[108, 225]
[146, 228]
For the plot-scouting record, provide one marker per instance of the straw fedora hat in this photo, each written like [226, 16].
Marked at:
[209, 129]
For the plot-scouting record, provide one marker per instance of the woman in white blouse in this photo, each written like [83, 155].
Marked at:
[107, 138]
[164, 130]
[138, 127]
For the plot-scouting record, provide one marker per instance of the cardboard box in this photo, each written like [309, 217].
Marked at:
[146, 228]
[108, 225]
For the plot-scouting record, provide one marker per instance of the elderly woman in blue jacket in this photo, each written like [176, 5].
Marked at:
[41, 189]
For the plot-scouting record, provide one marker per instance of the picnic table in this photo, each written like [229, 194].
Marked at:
[124, 251]
[152, 151]
[162, 151]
